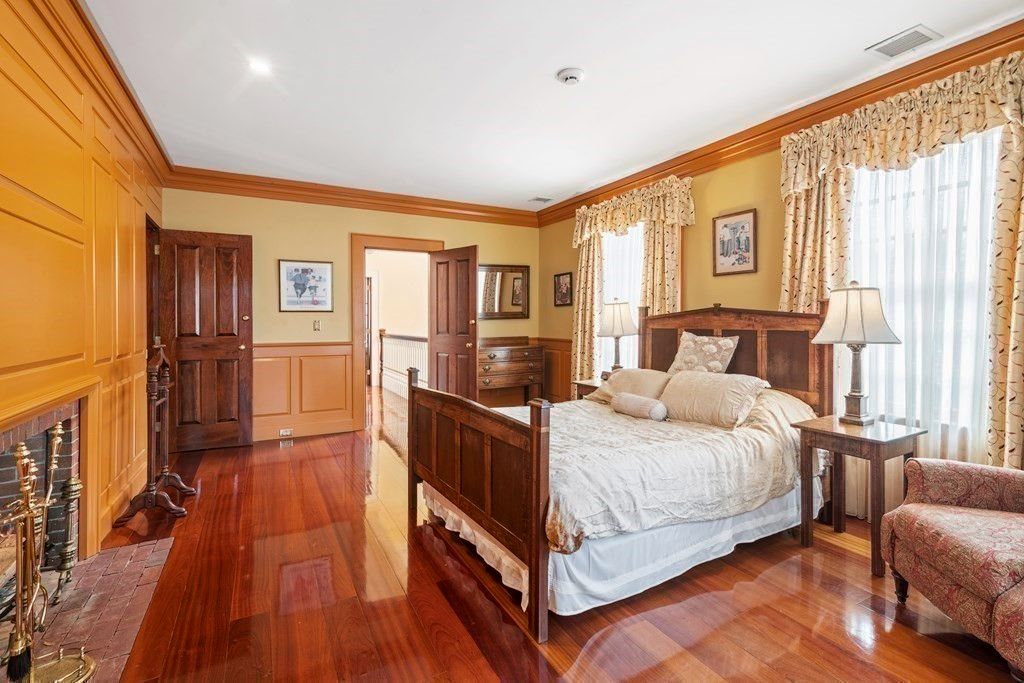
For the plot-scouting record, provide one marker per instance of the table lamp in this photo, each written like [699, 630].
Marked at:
[855, 318]
[616, 321]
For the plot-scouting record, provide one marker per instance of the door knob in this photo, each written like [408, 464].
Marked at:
[241, 347]
[469, 345]
[245, 317]
[472, 322]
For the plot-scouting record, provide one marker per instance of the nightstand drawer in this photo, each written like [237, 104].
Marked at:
[510, 366]
[514, 380]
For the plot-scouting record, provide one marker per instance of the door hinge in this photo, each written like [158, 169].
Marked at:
[156, 249]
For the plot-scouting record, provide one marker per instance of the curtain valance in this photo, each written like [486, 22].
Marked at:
[893, 133]
[666, 203]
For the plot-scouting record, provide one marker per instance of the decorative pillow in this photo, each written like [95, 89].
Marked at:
[639, 381]
[639, 406]
[711, 398]
[703, 354]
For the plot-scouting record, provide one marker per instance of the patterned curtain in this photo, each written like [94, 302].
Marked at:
[490, 293]
[664, 207]
[892, 134]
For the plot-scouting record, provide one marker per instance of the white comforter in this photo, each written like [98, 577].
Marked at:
[613, 474]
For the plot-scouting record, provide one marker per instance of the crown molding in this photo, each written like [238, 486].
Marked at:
[202, 180]
[766, 136]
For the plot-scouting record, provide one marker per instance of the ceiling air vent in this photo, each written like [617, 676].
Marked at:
[904, 41]
[541, 200]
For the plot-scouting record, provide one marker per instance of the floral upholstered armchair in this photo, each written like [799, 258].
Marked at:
[959, 539]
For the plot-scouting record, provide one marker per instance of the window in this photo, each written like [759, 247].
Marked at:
[923, 235]
[623, 257]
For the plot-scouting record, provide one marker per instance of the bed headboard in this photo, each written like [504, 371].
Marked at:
[773, 345]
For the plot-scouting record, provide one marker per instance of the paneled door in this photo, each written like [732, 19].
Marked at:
[451, 338]
[206, 325]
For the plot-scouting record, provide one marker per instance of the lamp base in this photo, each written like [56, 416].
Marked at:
[857, 410]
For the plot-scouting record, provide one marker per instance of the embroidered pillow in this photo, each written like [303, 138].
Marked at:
[639, 381]
[703, 354]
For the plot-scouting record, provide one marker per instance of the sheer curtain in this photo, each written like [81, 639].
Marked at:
[621, 279]
[923, 236]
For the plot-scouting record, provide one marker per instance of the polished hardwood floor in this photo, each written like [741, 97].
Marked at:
[296, 563]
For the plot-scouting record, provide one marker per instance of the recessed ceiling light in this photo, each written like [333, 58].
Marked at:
[259, 66]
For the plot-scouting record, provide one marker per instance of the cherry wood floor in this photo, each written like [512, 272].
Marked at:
[295, 563]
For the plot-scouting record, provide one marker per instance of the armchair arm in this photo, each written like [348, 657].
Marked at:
[947, 482]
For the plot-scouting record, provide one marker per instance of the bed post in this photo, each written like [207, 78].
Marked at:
[644, 360]
[537, 609]
[414, 377]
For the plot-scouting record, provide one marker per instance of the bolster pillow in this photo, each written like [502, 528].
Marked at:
[639, 406]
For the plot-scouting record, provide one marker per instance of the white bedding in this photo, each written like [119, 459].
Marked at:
[608, 569]
[614, 474]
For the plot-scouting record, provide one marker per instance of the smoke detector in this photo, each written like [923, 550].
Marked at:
[904, 41]
[570, 76]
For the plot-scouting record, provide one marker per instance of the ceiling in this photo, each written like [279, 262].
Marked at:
[458, 99]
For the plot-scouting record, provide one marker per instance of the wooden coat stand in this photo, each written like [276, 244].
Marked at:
[158, 472]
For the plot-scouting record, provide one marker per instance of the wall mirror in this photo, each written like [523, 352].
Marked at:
[503, 292]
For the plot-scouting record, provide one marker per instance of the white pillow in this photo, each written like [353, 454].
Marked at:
[639, 381]
[711, 398]
[639, 406]
[704, 354]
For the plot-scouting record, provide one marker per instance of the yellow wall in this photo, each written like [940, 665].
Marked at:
[74, 193]
[400, 294]
[748, 184]
[293, 230]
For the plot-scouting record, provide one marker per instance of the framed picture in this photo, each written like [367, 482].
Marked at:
[735, 243]
[563, 289]
[517, 291]
[305, 286]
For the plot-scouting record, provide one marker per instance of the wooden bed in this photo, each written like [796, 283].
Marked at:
[495, 468]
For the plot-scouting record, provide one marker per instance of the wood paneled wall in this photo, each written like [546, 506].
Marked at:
[303, 387]
[557, 362]
[76, 184]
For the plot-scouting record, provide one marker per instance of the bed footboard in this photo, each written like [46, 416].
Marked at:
[495, 470]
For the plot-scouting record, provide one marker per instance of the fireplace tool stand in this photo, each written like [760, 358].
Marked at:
[158, 390]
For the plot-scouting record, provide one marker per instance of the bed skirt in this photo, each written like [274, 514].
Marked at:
[605, 570]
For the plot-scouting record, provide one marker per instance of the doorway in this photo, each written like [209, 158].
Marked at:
[365, 340]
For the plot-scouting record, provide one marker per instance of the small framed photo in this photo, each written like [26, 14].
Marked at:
[305, 286]
[563, 289]
[517, 291]
[735, 243]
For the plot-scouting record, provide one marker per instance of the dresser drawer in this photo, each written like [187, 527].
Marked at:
[516, 380]
[499, 353]
[506, 367]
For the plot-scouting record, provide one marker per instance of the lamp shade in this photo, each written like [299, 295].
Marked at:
[855, 316]
[616, 320]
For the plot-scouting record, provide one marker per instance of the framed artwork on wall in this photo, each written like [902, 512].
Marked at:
[305, 286]
[734, 241]
[563, 289]
[517, 291]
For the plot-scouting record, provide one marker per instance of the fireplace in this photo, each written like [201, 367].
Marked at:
[36, 434]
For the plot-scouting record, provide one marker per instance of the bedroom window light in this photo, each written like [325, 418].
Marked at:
[623, 257]
[923, 236]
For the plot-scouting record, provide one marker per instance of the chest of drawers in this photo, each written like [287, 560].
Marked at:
[510, 366]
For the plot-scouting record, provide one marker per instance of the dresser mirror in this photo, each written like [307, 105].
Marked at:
[503, 292]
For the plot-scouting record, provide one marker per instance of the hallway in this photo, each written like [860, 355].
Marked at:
[295, 563]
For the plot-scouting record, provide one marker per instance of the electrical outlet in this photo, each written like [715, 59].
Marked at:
[285, 443]
[285, 432]
[316, 325]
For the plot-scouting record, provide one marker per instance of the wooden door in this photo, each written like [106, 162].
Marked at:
[451, 337]
[206, 325]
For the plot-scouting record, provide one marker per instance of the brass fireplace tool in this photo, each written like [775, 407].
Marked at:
[28, 516]
[158, 472]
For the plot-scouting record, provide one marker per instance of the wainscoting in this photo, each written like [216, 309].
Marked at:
[557, 364]
[398, 354]
[303, 387]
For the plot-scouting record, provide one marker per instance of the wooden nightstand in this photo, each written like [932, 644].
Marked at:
[582, 387]
[875, 443]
